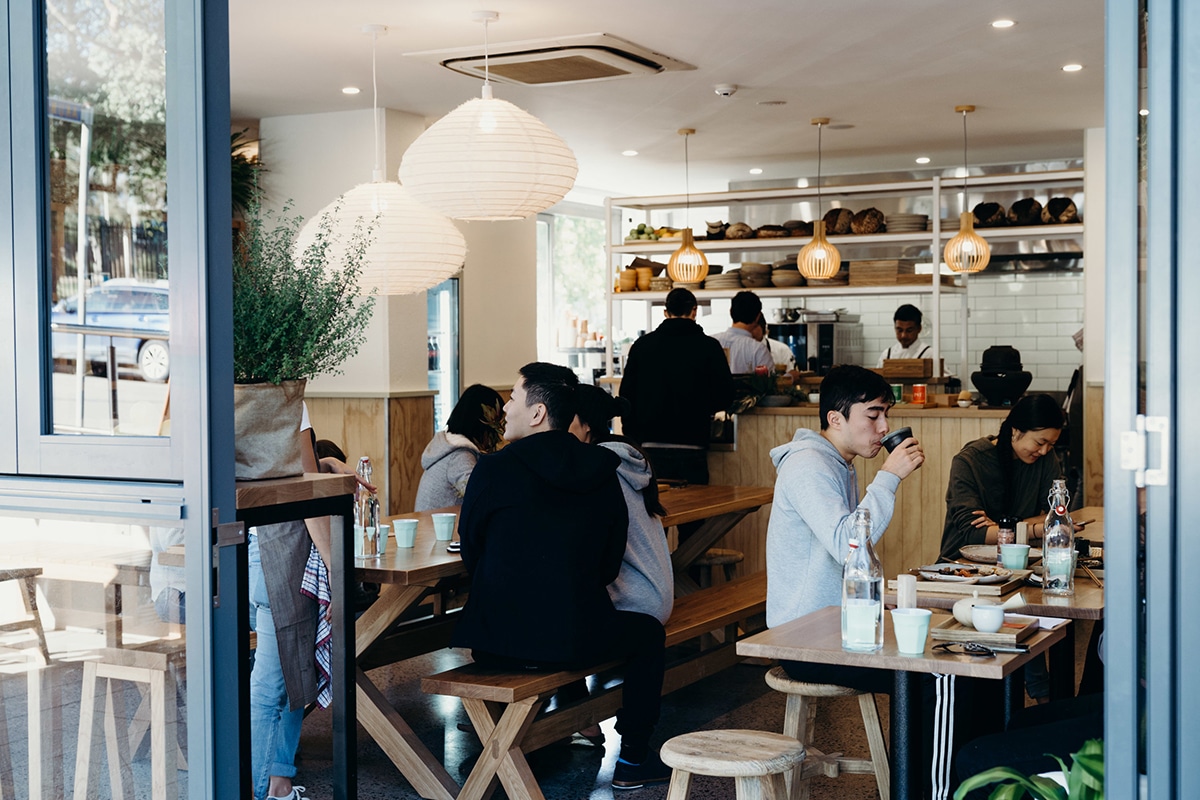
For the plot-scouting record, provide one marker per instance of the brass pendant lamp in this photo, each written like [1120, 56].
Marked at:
[687, 264]
[819, 260]
[967, 251]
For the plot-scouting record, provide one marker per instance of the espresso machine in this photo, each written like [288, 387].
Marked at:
[820, 340]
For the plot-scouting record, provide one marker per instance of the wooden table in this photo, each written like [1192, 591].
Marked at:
[283, 500]
[408, 576]
[817, 638]
[720, 508]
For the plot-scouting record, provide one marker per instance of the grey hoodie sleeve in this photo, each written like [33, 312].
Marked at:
[459, 466]
[825, 502]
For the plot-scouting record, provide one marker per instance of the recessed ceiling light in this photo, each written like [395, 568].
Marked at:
[1003, 23]
[756, 171]
[350, 90]
[1072, 67]
[1145, 112]
[923, 159]
[629, 152]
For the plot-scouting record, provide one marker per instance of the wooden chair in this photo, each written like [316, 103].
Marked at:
[154, 666]
[756, 760]
[801, 711]
[33, 620]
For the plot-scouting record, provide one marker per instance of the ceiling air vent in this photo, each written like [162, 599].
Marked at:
[549, 62]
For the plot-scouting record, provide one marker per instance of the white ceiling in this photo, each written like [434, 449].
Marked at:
[892, 70]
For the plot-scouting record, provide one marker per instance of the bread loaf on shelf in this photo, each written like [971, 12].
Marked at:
[869, 220]
[990, 215]
[798, 227]
[1060, 211]
[837, 221]
[739, 230]
[1027, 211]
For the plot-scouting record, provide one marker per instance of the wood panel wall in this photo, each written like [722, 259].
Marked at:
[914, 536]
[389, 430]
[1093, 445]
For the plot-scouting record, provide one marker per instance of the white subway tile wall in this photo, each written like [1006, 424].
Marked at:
[1037, 313]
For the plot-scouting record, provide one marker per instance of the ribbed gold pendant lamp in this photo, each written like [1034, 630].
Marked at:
[687, 264]
[967, 251]
[819, 260]
[412, 248]
[488, 159]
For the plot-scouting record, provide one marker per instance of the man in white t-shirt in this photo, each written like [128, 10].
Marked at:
[745, 352]
[907, 322]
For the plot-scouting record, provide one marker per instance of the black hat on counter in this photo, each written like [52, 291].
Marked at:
[1001, 379]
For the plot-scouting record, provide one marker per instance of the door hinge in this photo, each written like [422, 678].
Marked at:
[227, 535]
[1135, 448]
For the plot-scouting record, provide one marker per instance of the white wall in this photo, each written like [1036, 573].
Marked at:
[499, 301]
[1094, 246]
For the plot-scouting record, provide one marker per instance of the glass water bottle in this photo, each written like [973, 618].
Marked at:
[862, 590]
[1058, 544]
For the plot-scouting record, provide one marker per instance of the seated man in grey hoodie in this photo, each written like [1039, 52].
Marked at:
[816, 493]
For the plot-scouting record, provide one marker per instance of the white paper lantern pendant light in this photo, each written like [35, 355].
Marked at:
[412, 247]
[967, 251]
[687, 264]
[819, 260]
[488, 159]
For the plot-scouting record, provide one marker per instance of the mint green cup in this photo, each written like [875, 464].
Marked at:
[406, 532]
[443, 526]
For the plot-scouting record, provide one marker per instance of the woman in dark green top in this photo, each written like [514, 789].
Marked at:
[1006, 476]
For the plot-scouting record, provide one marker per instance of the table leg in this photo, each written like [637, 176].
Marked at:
[343, 664]
[906, 736]
[1062, 665]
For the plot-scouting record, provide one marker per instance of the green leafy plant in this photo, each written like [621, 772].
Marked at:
[1085, 779]
[296, 316]
[243, 170]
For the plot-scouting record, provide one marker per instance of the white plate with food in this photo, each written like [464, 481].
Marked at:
[986, 553]
[964, 573]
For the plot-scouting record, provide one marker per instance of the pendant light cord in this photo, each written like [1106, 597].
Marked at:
[819, 127]
[487, 75]
[687, 182]
[378, 174]
[966, 169]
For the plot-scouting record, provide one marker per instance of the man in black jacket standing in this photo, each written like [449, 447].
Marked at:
[543, 528]
[676, 377]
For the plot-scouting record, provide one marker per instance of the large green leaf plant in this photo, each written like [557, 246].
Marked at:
[1085, 779]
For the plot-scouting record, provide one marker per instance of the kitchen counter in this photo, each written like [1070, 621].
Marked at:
[915, 533]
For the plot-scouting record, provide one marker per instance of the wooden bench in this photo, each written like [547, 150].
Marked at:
[503, 706]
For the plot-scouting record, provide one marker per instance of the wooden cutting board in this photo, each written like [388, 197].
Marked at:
[1013, 632]
[968, 589]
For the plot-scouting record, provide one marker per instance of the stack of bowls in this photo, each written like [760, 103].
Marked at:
[756, 275]
[627, 280]
[785, 273]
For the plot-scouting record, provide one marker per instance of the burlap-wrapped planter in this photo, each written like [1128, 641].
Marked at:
[266, 419]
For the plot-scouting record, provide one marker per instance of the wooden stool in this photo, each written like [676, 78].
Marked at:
[152, 665]
[33, 621]
[717, 557]
[800, 711]
[756, 760]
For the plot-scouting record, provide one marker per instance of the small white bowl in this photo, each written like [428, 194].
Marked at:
[814, 397]
[964, 403]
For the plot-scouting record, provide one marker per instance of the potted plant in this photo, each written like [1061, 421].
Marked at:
[295, 316]
[1083, 781]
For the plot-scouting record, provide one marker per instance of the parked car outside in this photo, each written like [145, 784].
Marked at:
[119, 303]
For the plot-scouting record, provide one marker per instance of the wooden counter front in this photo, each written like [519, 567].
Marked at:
[915, 533]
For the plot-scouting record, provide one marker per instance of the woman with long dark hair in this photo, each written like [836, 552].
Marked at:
[475, 426]
[1004, 476]
[645, 583]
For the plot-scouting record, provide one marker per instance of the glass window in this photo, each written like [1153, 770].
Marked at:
[105, 272]
[571, 259]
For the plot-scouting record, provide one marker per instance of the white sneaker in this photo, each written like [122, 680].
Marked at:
[294, 794]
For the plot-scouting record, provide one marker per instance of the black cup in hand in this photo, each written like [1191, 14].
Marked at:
[893, 439]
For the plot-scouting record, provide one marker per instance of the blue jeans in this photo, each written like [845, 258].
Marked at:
[274, 730]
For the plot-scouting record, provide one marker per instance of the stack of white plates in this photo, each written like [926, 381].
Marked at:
[724, 280]
[906, 223]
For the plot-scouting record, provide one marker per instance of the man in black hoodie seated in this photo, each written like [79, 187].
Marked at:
[543, 527]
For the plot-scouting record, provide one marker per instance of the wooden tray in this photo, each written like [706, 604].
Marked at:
[968, 589]
[954, 631]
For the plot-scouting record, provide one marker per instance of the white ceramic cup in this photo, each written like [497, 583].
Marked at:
[912, 629]
[406, 532]
[358, 541]
[443, 526]
[1014, 556]
[987, 619]
[814, 397]
[381, 546]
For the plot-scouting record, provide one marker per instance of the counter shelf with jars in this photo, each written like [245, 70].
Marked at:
[931, 194]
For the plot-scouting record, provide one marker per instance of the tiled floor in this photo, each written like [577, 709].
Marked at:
[735, 698]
